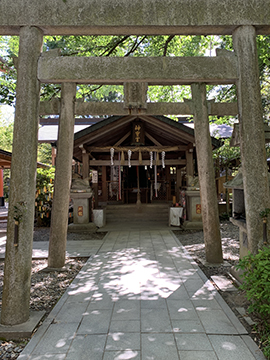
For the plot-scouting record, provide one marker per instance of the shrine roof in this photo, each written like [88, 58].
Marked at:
[108, 132]
[6, 157]
[110, 120]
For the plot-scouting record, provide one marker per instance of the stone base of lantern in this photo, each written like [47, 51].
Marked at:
[81, 212]
[194, 216]
[193, 225]
[90, 228]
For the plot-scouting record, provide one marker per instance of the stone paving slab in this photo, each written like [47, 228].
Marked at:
[223, 283]
[141, 296]
[83, 248]
[232, 347]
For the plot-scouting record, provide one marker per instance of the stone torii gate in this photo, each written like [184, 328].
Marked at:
[135, 103]
[31, 21]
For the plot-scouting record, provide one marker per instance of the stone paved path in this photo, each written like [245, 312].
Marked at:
[141, 297]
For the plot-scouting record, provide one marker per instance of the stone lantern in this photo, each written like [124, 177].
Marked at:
[81, 194]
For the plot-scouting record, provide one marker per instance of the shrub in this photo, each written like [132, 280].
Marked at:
[44, 194]
[257, 281]
[265, 339]
[257, 285]
[224, 216]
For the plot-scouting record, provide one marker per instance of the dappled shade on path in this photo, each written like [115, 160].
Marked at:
[141, 297]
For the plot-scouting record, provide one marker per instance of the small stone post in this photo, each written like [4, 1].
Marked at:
[209, 204]
[18, 259]
[252, 139]
[63, 169]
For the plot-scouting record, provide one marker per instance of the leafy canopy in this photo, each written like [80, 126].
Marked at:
[104, 46]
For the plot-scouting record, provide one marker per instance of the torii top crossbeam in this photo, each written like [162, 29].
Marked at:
[147, 17]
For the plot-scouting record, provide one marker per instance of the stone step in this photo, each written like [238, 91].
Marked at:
[124, 214]
[129, 213]
[136, 215]
[144, 207]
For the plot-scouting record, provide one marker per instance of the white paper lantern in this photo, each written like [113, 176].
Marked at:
[163, 159]
[129, 157]
[112, 153]
[151, 159]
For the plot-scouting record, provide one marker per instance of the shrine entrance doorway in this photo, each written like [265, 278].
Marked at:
[150, 190]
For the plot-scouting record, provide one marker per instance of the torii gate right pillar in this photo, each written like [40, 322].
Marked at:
[252, 139]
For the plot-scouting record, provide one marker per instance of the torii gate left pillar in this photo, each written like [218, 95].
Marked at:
[18, 259]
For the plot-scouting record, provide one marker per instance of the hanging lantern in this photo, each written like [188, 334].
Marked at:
[151, 159]
[129, 157]
[163, 159]
[112, 153]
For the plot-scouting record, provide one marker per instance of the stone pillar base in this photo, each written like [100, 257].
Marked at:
[193, 225]
[90, 228]
[24, 330]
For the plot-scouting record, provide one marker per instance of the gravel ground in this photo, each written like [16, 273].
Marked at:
[43, 234]
[47, 288]
[193, 241]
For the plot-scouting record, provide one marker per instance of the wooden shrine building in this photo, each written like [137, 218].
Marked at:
[151, 153]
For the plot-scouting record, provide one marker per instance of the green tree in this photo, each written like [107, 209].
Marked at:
[103, 46]
[44, 195]
[9, 48]
[45, 153]
[6, 136]
[228, 92]
[130, 45]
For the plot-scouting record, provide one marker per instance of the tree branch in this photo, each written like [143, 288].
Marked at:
[167, 43]
[115, 46]
[135, 46]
